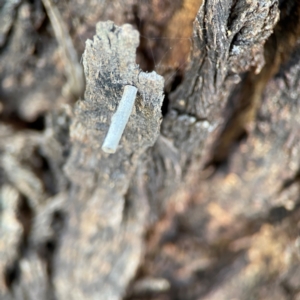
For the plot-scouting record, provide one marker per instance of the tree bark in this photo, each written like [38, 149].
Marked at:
[201, 198]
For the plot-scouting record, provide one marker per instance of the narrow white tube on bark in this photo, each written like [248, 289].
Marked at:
[119, 120]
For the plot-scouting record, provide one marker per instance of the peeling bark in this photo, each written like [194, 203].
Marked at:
[200, 202]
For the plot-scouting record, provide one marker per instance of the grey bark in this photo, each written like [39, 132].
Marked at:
[200, 206]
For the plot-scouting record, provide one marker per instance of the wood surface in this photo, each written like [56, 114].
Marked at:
[201, 198]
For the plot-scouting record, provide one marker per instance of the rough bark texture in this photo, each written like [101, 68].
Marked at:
[200, 201]
[96, 208]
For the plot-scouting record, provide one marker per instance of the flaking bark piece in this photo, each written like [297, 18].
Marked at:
[228, 40]
[102, 242]
[229, 37]
[109, 65]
